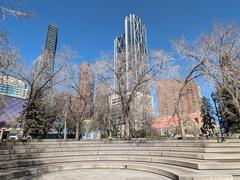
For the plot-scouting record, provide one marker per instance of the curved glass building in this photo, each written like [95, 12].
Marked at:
[14, 95]
[130, 52]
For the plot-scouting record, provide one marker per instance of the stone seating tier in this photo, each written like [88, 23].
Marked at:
[183, 160]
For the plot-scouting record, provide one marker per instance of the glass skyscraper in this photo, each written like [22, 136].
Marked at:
[50, 50]
[130, 52]
[45, 64]
[51, 43]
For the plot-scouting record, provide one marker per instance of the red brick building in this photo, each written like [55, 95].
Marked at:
[86, 88]
[189, 105]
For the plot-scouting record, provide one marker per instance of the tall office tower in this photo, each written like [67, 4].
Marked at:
[130, 53]
[50, 48]
[120, 62]
[86, 87]
[51, 41]
[45, 64]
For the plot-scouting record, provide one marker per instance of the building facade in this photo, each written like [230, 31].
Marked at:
[189, 104]
[130, 53]
[130, 64]
[101, 109]
[45, 64]
[168, 92]
[50, 48]
[11, 86]
[141, 110]
[86, 88]
[51, 42]
[12, 108]
[14, 93]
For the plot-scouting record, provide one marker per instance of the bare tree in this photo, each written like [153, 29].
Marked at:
[57, 105]
[107, 72]
[9, 55]
[103, 119]
[9, 8]
[141, 114]
[10, 59]
[79, 86]
[36, 78]
[41, 82]
[215, 56]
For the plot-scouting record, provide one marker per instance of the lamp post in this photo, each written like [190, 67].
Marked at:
[215, 105]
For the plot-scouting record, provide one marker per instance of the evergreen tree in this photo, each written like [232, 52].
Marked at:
[32, 117]
[230, 119]
[207, 115]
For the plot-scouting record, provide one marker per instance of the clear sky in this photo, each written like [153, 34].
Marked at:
[90, 26]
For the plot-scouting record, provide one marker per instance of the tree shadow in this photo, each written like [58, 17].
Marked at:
[20, 159]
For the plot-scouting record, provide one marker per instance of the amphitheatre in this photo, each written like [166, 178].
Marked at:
[135, 159]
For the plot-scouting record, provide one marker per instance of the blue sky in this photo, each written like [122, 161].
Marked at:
[90, 26]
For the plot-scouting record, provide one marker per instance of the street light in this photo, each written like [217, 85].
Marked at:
[214, 98]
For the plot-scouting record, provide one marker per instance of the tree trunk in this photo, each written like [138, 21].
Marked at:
[182, 129]
[110, 133]
[22, 130]
[122, 130]
[65, 128]
[127, 131]
[77, 132]
[45, 133]
[59, 133]
[109, 128]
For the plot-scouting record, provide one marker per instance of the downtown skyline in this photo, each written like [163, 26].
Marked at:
[120, 89]
[91, 27]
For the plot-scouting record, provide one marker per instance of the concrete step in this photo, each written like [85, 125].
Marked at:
[122, 144]
[172, 172]
[115, 148]
[88, 153]
[66, 145]
[183, 160]
[191, 155]
[109, 148]
[190, 163]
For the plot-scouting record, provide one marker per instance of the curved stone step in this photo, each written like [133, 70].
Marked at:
[190, 155]
[190, 163]
[172, 172]
[103, 152]
[112, 144]
[198, 159]
[115, 148]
